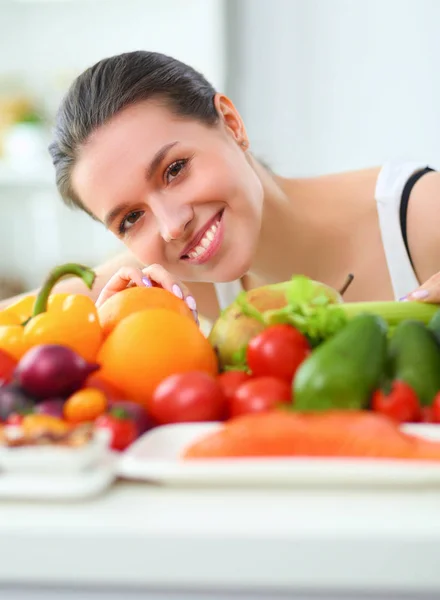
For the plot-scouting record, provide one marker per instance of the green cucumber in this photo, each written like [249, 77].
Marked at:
[414, 357]
[344, 371]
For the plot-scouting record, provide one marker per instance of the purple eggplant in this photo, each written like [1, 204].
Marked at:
[51, 370]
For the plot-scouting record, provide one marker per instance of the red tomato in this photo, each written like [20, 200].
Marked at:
[123, 430]
[435, 409]
[277, 351]
[7, 367]
[260, 394]
[230, 381]
[188, 397]
[400, 404]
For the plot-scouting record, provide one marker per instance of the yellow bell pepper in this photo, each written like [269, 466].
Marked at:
[12, 340]
[66, 319]
[20, 310]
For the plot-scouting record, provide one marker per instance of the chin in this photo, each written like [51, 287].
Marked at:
[236, 261]
[231, 269]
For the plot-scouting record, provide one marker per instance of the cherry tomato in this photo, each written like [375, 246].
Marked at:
[230, 381]
[188, 397]
[7, 367]
[123, 430]
[277, 351]
[435, 409]
[400, 404]
[260, 394]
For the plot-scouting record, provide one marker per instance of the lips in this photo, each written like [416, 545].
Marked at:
[202, 240]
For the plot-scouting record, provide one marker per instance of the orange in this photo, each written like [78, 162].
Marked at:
[134, 299]
[147, 346]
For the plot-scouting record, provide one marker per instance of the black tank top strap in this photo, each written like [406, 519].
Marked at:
[404, 204]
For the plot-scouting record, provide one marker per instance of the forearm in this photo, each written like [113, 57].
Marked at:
[73, 285]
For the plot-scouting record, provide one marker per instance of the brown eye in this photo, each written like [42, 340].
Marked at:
[129, 220]
[174, 169]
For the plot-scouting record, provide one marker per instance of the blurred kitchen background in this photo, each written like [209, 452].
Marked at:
[323, 85]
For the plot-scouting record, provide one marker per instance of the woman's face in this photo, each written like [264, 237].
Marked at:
[175, 191]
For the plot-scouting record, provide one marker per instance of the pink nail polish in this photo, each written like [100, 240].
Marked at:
[177, 291]
[146, 281]
[191, 302]
[420, 294]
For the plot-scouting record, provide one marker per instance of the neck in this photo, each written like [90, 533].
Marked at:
[284, 230]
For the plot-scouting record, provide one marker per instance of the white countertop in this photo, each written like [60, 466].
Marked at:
[193, 539]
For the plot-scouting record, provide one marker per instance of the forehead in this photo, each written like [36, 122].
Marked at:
[118, 152]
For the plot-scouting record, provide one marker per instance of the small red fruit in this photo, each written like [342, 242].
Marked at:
[400, 404]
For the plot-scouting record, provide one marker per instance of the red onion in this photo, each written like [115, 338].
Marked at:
[51, 370]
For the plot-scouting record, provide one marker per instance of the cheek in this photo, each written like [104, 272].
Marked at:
[244, 187]
[240, 190]
[146, 246]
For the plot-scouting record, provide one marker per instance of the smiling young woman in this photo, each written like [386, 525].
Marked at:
[144, 144]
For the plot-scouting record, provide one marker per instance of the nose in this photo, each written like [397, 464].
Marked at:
[172, 218]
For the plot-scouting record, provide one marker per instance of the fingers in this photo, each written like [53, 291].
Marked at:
[428, 292]
[147, 277]
[123, 278]
[157, 274]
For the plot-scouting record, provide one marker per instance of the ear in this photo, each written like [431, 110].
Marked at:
[231, 119]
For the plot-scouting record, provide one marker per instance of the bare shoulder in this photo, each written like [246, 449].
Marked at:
[206, 299]
[344, 187]
[350, 178]
[423, 226]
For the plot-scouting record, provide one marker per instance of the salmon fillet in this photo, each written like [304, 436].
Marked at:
[331, 434]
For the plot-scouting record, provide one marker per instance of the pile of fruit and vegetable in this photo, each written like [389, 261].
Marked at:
[290, 368]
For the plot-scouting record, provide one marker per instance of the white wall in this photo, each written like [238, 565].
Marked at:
[48, 43]
[52, 41]
[328, 85]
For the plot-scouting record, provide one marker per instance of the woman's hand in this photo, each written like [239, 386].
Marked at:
[428, 292]
[153, 275]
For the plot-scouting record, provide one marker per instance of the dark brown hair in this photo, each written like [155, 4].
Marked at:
[113, 84]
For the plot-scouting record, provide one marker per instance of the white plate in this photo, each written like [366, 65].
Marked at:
[155, 457]
[58, 486]
[51, 458]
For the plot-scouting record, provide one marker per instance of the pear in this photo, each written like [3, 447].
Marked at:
[234, 329]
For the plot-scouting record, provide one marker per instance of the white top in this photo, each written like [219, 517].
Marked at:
[389, 187]
[159, 538]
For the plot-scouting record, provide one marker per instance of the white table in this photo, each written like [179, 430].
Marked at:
[156, 543]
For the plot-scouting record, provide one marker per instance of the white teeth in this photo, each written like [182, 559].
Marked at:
[205, 241]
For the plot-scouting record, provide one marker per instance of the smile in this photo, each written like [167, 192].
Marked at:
[207, 243]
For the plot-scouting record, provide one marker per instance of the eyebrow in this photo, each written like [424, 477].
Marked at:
[158, 158]
[150, 172]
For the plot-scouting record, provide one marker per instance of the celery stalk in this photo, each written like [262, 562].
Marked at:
[392, 312]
